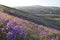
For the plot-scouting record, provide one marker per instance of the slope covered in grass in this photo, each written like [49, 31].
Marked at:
[34, 31]
[14, 28]
[50, 20]
[48, 16]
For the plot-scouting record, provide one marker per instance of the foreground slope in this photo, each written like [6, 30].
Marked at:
[34, 31]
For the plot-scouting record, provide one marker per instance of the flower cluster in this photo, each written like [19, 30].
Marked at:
[26, 30]
[12, 31]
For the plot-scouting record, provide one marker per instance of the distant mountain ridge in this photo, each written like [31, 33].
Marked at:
[40, 9]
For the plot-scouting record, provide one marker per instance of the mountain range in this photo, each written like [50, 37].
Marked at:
[40, 9]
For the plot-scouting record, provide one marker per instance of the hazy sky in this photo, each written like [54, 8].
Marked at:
[13, 3]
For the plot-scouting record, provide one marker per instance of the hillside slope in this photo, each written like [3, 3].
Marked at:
[32, 28]
[49, 20]
[17, 28]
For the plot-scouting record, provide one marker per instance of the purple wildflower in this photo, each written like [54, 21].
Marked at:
[2, 29]
[11, 24]
[6, 20]
[10, 36]
[43, 33]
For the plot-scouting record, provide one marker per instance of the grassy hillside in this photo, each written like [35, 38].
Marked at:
[24, 29]
[14, 28]
[49, 20]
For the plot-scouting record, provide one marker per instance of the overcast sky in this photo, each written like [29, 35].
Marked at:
[14, 3]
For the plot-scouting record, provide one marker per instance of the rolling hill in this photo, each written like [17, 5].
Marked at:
[48, 16]
[40, 9]
[20, 25]
[49, 20]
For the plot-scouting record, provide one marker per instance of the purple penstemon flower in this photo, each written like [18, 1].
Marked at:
[6, 20]
[44, 33]
[11, 36]
[2, 29]
[11, 24]
[16, 31]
